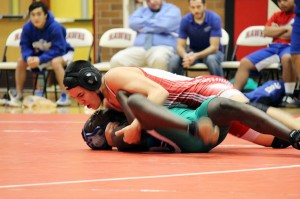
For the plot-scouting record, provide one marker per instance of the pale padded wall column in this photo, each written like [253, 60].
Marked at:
[272, 7]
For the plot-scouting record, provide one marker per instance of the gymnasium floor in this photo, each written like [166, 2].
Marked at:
[43, 156]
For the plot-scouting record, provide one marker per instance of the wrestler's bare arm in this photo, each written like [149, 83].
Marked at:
[122, 98]
[132, 80]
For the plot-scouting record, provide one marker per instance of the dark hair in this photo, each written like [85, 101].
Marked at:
[203, 1]
[82, 73]
[38, 4]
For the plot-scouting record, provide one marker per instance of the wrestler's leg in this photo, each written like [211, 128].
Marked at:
[153, 116]
[236, 95]
[254, 136]
[280, 115]
[244, 132]
[222, 112]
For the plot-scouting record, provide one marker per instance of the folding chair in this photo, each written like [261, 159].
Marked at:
[251, 36]
[203, 67]
[81, 38]
[77, 38]
[114, 38]
[12, 41]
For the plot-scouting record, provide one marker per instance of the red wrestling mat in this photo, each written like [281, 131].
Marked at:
[43, 156]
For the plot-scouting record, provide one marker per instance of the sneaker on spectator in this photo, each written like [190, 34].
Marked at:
[14, 100]
[63, 100]
[289, 101]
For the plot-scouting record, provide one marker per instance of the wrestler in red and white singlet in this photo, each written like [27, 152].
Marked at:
[190, 92]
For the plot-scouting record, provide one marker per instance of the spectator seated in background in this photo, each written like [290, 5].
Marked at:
[157, 26]
[203, 28]
[43, 42]
[279, 27]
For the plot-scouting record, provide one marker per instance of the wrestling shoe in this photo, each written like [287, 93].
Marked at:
[63, 100]
[207, 131]
[14, 100]
[294, 138]
[289, 101]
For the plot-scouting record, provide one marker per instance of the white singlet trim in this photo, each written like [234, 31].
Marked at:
[250, 135]
[165, 74]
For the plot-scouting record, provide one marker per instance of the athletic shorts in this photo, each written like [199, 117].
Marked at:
[266, 56]
[68, 58]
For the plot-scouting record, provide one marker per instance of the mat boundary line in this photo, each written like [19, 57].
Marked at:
[150, 177]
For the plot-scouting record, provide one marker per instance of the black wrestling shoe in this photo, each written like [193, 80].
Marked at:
[289, 101]
[294, 137]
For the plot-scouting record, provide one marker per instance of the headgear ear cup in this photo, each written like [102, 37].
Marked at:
[71, 80]
[89, 78]
[82, 73]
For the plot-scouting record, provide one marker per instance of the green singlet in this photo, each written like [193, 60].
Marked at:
[185, 141]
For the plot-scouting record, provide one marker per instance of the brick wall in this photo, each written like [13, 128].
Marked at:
[109, 14]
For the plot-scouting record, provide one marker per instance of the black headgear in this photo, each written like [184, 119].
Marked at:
[82, 73]
[93, 131]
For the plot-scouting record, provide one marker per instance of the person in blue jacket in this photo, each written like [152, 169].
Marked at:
[157, 28]
[43, 42]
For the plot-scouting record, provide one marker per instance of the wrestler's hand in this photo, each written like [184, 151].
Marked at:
[111, 126]
[132, 133]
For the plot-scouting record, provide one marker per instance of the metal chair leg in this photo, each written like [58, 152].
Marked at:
[45, 78]
[35, 83]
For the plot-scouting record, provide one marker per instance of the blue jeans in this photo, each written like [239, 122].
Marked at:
[212, 61]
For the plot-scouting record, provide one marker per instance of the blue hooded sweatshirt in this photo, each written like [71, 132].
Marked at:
[46, 43]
